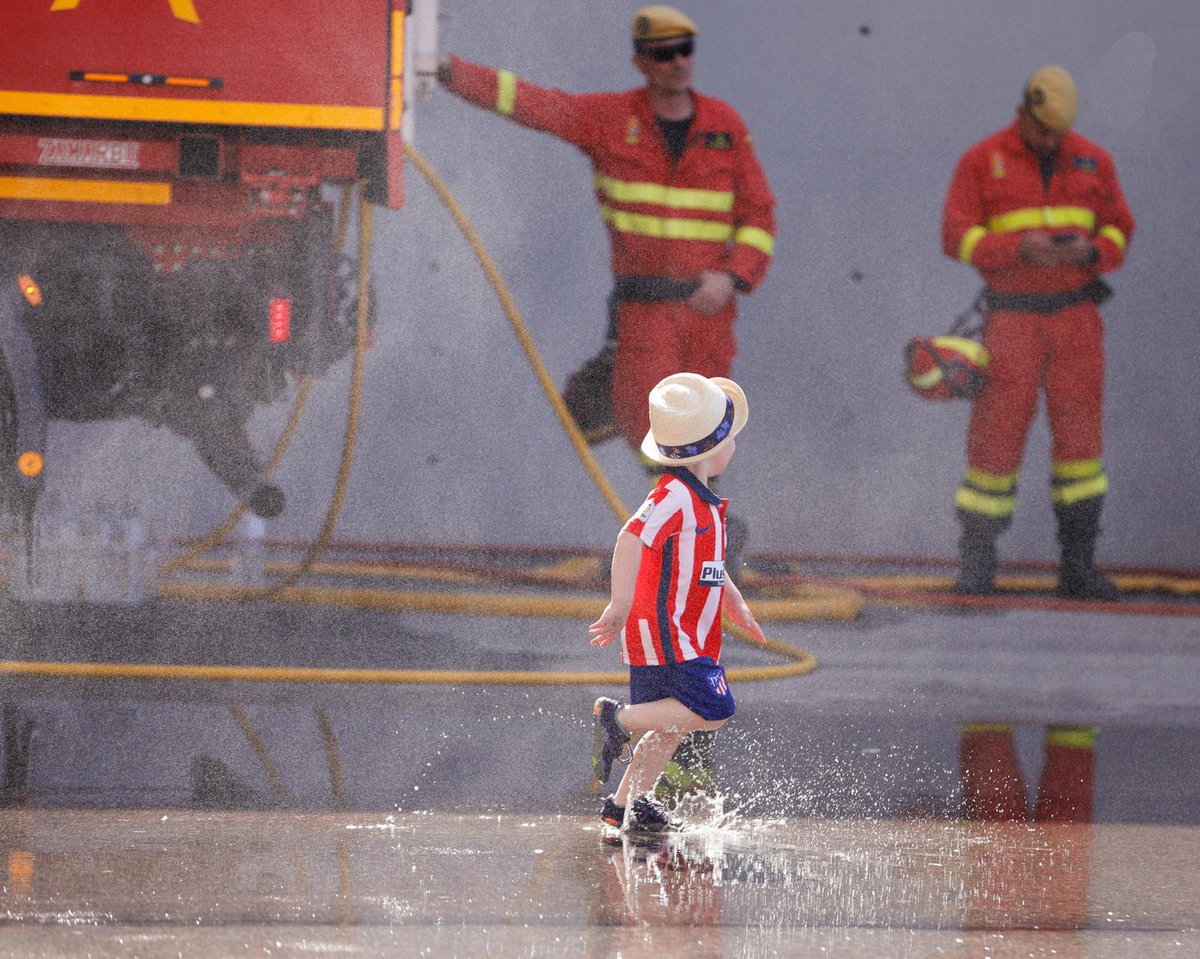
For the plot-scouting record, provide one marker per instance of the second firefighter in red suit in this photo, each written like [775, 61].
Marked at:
[1038, 211]
[690, 216]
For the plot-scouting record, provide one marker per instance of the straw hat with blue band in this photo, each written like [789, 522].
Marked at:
[693, 417]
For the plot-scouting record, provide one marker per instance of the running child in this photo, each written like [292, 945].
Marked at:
[668, 591]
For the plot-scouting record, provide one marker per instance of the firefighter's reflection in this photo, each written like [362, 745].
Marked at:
[663, 883]
[1033, 868]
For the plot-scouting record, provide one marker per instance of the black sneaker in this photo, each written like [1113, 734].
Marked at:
[609, 738]
[648, 815]
[612, 814]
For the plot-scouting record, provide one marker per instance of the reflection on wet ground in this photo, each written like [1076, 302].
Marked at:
[526, 751]
[132, 883]
[222, 830]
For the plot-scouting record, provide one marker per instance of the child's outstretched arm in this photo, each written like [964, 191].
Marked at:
[627, 558]
[739, 613]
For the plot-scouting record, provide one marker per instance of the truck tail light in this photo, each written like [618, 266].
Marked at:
[30, 290]
[279, 322]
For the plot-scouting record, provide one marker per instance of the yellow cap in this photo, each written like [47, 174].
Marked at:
[1051, 98]
[660, 22]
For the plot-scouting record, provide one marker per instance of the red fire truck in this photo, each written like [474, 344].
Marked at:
[166, 247]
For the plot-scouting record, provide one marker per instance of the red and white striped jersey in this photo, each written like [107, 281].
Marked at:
[676, 613]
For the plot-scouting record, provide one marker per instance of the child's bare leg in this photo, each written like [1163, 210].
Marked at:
[650, 757]
[666, 722]
[664, 714]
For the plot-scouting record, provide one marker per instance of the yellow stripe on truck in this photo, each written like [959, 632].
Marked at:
[84, 191]
[161, 109]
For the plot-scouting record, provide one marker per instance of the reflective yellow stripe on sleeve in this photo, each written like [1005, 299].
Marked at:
[1112, 233]
[970, 240]
[506, 92]
[756, 237]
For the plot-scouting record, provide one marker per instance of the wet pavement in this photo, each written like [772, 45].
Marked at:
[945, 783]
[145, 883]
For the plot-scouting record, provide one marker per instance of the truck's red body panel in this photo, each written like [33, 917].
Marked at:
[304, 63]
[178, 111]
[161, 174]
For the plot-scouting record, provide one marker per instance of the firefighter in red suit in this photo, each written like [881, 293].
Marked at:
[1037, 210]
[689, 213]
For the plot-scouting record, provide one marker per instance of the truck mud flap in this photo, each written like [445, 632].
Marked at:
[23, 417]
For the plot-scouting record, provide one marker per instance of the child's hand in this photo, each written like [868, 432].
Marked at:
[608, 627]
[740, 615]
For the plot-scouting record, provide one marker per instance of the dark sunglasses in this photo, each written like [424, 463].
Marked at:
[667, 54]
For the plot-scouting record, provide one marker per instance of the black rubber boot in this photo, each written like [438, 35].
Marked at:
[977, 554]
[1078, 529]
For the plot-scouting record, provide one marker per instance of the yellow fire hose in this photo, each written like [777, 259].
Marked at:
[826, 605]
[514, 317]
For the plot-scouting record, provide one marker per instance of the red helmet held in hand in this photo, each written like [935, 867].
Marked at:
[945, 367]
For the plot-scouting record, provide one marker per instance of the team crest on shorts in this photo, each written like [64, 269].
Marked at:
[712, 573]
[717, 682]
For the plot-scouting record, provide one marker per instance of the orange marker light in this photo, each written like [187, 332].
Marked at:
[20, 871]
[30, 463]
[30, 290]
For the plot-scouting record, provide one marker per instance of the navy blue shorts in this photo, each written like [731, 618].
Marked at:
[699, 684]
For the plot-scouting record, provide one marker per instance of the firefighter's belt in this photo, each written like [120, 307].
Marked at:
[651, 289]
[1047, 303]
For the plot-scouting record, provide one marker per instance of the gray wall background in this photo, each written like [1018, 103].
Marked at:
[859, 109]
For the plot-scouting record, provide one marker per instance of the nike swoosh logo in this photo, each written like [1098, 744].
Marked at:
[701, 530]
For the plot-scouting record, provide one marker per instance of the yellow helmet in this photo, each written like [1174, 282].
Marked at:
[1051, 97]
[660, 22]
